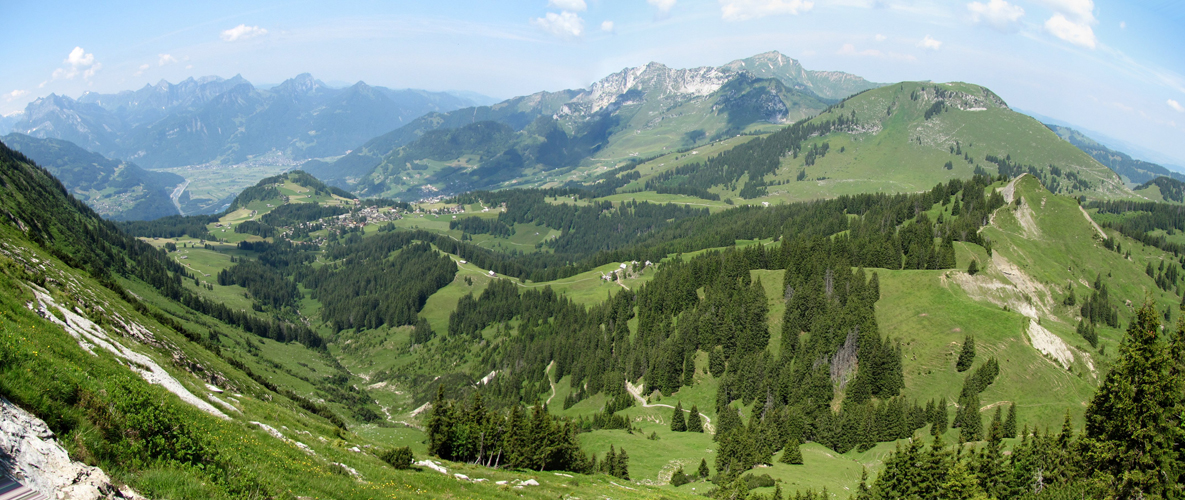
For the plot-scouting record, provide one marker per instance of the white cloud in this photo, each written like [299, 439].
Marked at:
[663, 6]
[19, 93]
[930, 43]
[1122, 25]
[1176, 106]
[607, 26]
[563, 25]
[189, 66]
[1072, 21]
[880, 37]
[998, 14]
[740, 10]
[242, 32]
[164, 59]
[78, 62]
[1079, 11]
[1070, 31]
[141, 70]
[569, 5]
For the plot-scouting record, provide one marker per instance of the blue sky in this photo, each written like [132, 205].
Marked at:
[1113, 67]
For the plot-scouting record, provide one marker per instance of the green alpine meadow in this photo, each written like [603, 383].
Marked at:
[946, 262]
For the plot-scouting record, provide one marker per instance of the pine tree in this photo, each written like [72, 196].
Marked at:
[997, 425]
[967, 355]
[622, 469]
[609, 465]
[940, 419]
[973, 268]
[792, 454]
[703, 471]
[1010, 422]
[1132, 420]
[678, 422]
[694, 422]
[961, 484]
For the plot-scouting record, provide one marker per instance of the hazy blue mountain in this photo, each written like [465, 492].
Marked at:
[115, 189]
[1136, 171]
[6, 122]
[228, 120]
[474, 97]
[88, 125]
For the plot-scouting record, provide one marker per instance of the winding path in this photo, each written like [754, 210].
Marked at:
[636, 392]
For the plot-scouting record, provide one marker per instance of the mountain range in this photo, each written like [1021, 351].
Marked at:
[212, 119]
[635, 113]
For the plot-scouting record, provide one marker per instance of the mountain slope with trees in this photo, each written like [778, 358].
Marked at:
[116, 190]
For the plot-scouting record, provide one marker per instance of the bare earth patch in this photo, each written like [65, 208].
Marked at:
[1049, 344]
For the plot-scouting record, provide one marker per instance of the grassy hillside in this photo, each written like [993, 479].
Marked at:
[905, 137]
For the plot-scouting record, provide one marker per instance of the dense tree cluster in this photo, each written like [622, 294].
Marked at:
[1149, 223]
[1098, 307]
[515, 439]
[173, 226]
[1131, 447]
[295, 213]
[369, 288]
[756, 159]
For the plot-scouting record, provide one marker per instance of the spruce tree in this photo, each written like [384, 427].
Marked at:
[967, 355]
[694, 422]
[997, 426]
[1010, 422]
[792, 454]
[1133, 420]
[703, 471]
[973, 268]
[940, 419]
[622, 470]
[678, 422]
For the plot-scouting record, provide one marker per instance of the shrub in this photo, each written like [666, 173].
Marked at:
[399, 458]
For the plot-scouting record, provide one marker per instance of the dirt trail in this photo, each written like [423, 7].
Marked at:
[550, 380]
[636, 392]
[1092, 222]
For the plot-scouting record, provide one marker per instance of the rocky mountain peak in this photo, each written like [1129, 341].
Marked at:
[654, 80]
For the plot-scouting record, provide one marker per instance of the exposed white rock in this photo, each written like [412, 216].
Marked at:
[89, 335]
[30, 454]
[1050, 345]
[432, 465]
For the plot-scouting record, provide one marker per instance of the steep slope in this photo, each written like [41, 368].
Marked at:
[116, 190]
[1135, 171]
[170, 401]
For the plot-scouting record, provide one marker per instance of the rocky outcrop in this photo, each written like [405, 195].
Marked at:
[654, 81]
[30, 455]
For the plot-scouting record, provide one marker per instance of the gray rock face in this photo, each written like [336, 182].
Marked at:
[30, 454]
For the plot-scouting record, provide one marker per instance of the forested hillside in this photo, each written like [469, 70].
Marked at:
[651, 330]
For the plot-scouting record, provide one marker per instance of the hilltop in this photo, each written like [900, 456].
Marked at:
[895, 138]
